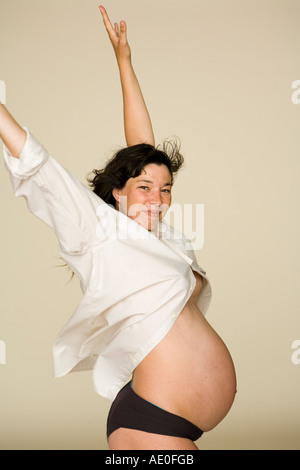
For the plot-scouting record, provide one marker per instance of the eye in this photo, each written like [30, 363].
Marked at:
[168, 191]
[144, 187]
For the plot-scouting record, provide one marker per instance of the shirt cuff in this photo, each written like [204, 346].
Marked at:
[32, 157]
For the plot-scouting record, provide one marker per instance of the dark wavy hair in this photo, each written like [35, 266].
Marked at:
[129, 163]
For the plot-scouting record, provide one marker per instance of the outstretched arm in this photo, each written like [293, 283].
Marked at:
[137, 122]
[11, 132]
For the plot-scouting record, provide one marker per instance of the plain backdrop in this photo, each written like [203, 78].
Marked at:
[218, 74]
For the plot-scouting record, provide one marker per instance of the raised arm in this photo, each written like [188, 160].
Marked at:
[137, 122]
[11, 132]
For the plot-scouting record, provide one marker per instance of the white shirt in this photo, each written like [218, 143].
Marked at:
[134, 283]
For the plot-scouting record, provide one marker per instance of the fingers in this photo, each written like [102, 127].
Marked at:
[106, 20]
[120, 32]
[117, 29]
[123, 29]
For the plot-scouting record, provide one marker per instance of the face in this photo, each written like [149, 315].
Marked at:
[147, 197]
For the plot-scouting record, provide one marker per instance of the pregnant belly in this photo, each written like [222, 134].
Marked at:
[190, 372]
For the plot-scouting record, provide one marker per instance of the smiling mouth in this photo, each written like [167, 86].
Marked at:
[153, 213]
[150, 212]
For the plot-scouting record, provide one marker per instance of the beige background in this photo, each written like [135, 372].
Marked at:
[218, 74]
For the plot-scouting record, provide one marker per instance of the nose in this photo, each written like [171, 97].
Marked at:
[156, 199]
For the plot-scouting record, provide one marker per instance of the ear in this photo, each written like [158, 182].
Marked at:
[116, 194]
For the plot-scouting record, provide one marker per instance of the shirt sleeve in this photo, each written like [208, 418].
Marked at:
[54, 195]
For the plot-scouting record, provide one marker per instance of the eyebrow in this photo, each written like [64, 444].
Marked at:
[151, 182]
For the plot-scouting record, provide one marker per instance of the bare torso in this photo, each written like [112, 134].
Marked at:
[190, 372]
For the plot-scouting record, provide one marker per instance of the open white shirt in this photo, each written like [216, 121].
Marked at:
[134, 283]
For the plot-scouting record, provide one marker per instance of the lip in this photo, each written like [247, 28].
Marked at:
[153, 213]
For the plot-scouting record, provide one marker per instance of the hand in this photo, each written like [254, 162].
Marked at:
[117, 36]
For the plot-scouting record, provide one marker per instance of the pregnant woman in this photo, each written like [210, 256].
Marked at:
[140, 325]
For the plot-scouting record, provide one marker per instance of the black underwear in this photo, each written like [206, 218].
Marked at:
[131, 411]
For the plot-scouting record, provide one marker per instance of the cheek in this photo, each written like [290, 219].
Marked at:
[133, 197]
[137, 199]
[135, 202]
[166, 202]
[167, 199]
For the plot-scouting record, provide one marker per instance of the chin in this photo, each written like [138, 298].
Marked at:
[152, 227]
[149, 224]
